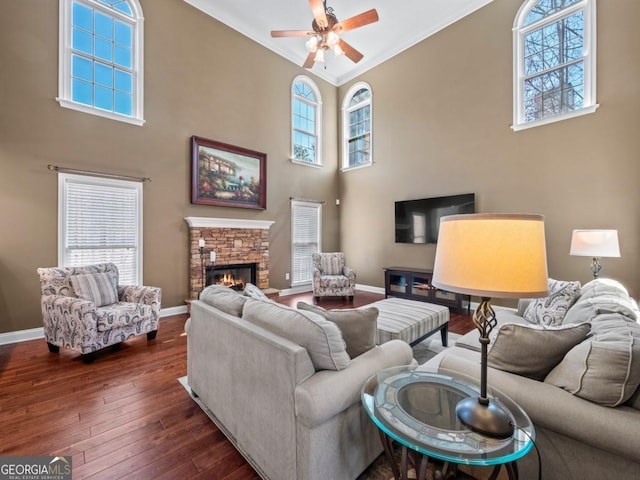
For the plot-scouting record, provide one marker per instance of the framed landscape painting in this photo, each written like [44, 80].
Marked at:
[227, 176]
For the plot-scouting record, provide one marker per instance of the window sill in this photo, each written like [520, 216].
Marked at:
[306, 164]
[100, 113]
[356, 167]
[565, 116]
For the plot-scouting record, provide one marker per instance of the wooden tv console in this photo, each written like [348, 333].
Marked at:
[415, 284]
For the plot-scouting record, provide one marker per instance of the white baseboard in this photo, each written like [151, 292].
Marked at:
[36, 333]
[369, 288]
[21, 335]
[294, 290]
[166, 312]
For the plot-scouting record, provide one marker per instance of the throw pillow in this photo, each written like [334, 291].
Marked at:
[603, 286]
[322, 339]
[332, 263]
[250, 290]
[223, 298]
[532, 350]
[99, 288]
[588, 309]
[605, 368]
[551, 310]
[358, 326]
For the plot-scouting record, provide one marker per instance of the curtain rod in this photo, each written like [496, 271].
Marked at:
[307, 200]
[98, 174]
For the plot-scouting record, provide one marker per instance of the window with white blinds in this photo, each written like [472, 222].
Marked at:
[305, 239]
[100, 220]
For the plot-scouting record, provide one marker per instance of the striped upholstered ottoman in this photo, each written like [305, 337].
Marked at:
[410, 320]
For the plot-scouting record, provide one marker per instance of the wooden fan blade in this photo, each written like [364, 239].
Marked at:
[291, 33]
[317, 7]
[352, 54]
[365, 18]
[308, 63]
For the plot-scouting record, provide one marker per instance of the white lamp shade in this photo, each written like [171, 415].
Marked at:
[332, 38]
[312, 44]
[492, 255]
[595, 243]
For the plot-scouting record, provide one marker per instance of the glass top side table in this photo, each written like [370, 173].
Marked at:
[416, 409]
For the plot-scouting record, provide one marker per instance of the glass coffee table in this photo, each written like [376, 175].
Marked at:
[416, 410]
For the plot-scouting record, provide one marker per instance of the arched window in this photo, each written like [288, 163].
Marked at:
[356, 127]
[306, 115]
[101, 65]
[555, 61]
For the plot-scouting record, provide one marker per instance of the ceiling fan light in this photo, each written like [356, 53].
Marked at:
[319, 56]
[337, 50]
[332, 38]
[312, 44]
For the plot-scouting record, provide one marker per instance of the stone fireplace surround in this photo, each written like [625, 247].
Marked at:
[234, 241]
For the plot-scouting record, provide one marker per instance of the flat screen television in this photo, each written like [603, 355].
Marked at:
[418, 221]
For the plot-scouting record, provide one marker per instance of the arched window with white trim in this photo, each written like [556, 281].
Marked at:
[306, 118]
[357, 142]
[555, 61]
[101, 58]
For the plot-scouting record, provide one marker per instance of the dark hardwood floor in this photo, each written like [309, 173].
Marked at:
[125, 415]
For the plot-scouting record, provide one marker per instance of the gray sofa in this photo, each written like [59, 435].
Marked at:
[290, 418]
[585, 411]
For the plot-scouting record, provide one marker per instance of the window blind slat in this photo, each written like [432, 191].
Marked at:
[305, 239]
[101, 223]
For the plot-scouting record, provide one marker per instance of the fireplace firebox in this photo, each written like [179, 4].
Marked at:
[234, 276]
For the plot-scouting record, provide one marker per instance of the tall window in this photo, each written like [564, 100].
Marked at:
[555, 64]
[306, 218]
[100, 220]
[356, 122]
[100, 58]
[306, 110]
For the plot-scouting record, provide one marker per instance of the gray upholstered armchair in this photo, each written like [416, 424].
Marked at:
[84, 309]
[331, 277]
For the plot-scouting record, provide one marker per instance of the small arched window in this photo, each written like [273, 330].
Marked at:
[306, 115]
[100, 58]
[555, 61]
[357, 129]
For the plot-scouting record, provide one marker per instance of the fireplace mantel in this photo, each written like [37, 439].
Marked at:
[210, 222]
[234, 241]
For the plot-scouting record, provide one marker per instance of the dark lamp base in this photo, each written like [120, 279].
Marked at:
[489, 420]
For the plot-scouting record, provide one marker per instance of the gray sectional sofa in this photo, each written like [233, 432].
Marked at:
[583, 396]
[282, 387]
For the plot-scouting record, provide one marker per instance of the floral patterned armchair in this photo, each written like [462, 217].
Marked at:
[331, 277]
[84, 309]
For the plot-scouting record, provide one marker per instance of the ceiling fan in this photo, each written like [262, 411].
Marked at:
[325, 33]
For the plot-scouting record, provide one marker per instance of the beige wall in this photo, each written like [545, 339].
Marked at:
[442, 112]
[201, 78]
[442, 116]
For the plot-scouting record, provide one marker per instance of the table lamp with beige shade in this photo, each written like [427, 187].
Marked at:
[595, 244]
[490, 255]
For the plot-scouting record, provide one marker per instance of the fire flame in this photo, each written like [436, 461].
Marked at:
[229, 281]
